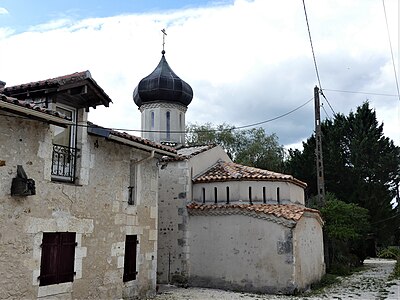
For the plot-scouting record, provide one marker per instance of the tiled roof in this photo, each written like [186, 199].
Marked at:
[143, 141]
[229, 171]
[57, 83]
[60, 80]
[28, 105]
[187, 152]
[286, 211]
[190, 151]
[108, 133]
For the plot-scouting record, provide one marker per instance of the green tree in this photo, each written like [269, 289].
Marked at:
[252, 147]
[345, 232]
[361, 166]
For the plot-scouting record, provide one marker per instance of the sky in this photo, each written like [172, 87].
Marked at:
[247, 61]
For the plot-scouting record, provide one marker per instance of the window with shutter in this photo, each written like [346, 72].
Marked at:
[130, 258]
[58, 255]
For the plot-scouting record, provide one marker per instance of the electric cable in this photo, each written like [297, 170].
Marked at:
[391, 50]
[360, 92]
[163, 131]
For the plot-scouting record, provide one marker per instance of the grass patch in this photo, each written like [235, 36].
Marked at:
[396, 271]
[326, 281]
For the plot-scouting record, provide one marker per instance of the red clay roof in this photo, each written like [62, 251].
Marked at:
[286, 211]
[58, 82]
[143, 141]
[229, 171]
[107, 132]
[32, 106]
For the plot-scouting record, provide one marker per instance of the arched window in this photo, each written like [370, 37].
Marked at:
[278, 198]
[227, 195]
[215, 195]
[264, 195]
[250, 198]
[203, 196]
[152, 120]
[168, 116]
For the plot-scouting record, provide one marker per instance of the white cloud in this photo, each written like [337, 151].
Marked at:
[3, 11]
[246, 62]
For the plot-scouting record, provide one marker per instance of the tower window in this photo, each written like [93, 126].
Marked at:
[168, 116]
[227, 195]
[250, 196]
[278, 198]
[215, 195]
[203, 191]
[152, 119]
[264, 195]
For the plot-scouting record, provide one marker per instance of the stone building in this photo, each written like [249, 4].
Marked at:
[222, 224]
[78, 202]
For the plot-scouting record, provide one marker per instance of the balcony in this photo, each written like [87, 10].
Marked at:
[63, 163]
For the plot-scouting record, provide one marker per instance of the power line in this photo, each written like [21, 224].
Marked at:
[334, 113]
[315, 60]
[312, 48]
[359, 92]
[391, 50]
[323, 107]
[276, 118]
[163, 131]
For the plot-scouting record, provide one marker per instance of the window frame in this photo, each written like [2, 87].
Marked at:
[130, 258]
[57, 261]
[69, 153]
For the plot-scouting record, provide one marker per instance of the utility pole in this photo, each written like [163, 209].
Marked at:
[318, 150]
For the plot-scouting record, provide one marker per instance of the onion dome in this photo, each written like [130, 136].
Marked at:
[163, 85]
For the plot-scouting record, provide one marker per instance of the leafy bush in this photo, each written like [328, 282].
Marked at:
[389, 252]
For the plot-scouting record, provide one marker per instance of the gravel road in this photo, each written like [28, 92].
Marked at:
[371, 283]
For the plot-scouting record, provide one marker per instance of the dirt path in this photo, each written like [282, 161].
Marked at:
[369, 284]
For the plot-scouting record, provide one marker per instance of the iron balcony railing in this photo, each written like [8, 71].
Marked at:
[63, 163]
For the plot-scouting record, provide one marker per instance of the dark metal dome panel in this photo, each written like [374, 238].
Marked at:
[163, 85]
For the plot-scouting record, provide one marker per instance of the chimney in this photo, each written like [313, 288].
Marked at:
[2, 84]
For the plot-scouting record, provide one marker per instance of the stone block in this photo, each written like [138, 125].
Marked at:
[152, 235]
[153, 212]
[118, 249]
[120, 262]
[130, 220]
[54, 289]
[115, 207]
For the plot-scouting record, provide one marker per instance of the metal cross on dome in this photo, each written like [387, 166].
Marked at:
[163, 38]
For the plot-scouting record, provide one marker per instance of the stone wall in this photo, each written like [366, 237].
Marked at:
[175, 190]
[96, 208]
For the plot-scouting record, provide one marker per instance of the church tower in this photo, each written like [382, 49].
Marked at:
[163, 98]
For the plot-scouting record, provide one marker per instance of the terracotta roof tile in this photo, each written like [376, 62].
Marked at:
[286, 211]
[60, 80]
[106, 132]
[228, 171]
[32, 106]
[143, 141]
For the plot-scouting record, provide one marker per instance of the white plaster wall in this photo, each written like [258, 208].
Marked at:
[175, 192]
[240, 253]
[202, 161]
[160, 122]
[239, 192]
[309, 251]
[96, 209]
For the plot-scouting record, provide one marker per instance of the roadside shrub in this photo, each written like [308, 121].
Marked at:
[390, 252]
